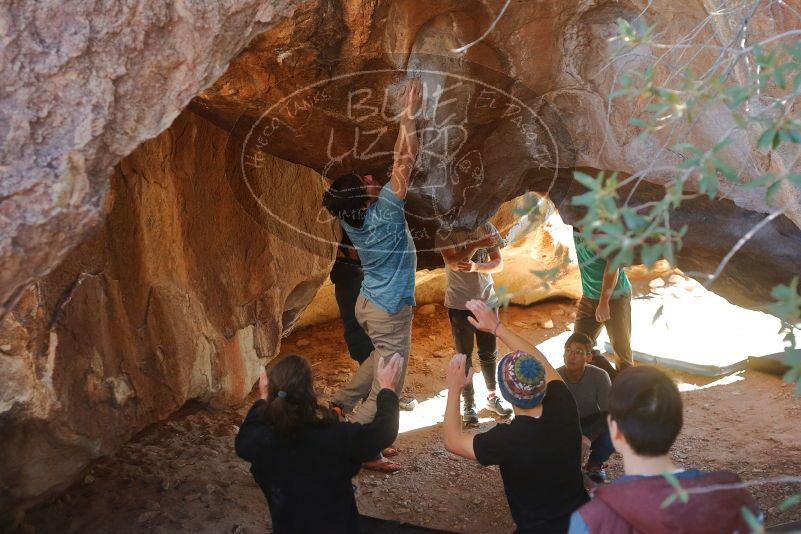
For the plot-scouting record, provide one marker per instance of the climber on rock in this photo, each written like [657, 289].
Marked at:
[373, 217]
[470, 261]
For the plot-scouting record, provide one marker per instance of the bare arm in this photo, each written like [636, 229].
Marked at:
[487, 321]
[494, 265]
[455, 440]
[602, 312]
[407, 144]
[454, 255]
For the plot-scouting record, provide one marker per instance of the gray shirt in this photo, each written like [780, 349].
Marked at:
[591, 392]
[463, 286]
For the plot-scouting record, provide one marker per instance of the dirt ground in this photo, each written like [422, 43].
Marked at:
[182, 475]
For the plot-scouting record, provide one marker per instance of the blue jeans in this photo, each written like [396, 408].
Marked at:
[601, 448]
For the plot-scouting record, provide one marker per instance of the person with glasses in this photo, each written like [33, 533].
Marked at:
[590, 387]
[372, 214]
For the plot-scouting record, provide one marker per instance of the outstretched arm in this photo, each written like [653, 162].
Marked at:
[494, 265]
[366, 441]
[454, 255]
[407, 144]
[487, 321]
[455, 440]
[602, 312]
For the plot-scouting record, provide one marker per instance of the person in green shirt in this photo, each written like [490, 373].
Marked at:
[605, 302]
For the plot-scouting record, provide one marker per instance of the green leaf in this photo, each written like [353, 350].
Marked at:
[688, 147]
[586, 180]
[790, 501]
[669, 500]
[751, 519]
[765, 179]
[650, 254]
[794, 178]
[770, 194]
[766, 139]
[722, 144]
[673, 481]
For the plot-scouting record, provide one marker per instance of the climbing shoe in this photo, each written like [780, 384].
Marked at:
[495, 405]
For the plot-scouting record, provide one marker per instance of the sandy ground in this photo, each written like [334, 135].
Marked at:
[182, 475]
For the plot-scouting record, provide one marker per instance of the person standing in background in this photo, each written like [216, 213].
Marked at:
[470, 261]
[605, 302]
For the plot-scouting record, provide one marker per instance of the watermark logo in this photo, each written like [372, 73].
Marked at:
[481, 136]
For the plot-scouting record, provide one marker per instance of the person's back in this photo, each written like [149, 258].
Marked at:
[539, 452]
[302, 457]
[317, 467]
[539, 460]
[387, 252]
[634, 504]
[645, 417]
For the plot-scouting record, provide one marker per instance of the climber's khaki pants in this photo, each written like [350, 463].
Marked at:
[390, 333]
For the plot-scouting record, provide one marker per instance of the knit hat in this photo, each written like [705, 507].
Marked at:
[521, 379]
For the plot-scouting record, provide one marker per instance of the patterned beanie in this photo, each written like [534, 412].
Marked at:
[521, 379]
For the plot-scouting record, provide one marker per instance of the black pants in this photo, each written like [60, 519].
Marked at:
[347, 279]
[463, 335]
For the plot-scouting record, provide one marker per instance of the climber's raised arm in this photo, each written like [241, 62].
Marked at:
[407, 143]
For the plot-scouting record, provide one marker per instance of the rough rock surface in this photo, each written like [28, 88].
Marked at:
[182, 294]
[81, 88]
[171, 280]
[517, 111]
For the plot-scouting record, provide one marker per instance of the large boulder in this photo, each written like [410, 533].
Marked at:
[83, 85]
[182, 294]
[125, 294]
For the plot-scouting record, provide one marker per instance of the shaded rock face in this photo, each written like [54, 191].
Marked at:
[180, 295]
[518, 111]
[82, 87]
[176, 278]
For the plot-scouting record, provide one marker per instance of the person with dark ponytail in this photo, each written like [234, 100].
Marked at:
[302, 457]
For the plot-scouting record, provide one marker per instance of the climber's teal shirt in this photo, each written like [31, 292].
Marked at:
[387, 253]
[592, 268]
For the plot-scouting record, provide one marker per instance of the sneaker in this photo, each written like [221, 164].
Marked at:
[596, 472]
[494, 404]
[407, 403]
[469, 415]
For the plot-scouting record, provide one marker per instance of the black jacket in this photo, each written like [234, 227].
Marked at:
[307, 480]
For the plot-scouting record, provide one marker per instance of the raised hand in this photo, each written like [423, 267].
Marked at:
[488, 241]
[263, 383]
[388, 371]
[413, 93]
[484, 318]
[466, 266]
[455, 376]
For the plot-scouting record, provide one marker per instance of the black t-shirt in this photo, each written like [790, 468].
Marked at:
[540, 461]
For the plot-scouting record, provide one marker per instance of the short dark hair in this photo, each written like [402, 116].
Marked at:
[345, 199]
[584, 339]
[646, 405]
